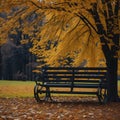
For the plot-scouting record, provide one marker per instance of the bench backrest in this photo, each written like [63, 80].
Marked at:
[77, 74]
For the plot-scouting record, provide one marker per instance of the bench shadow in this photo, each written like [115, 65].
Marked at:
[75, 101]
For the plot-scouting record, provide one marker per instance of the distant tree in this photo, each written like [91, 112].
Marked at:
[96, 17]
[8, 60]
[15, 58]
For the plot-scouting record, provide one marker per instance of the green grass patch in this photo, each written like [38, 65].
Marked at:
[119, 87]
[16, 88]
[12, 89]
[13, 83]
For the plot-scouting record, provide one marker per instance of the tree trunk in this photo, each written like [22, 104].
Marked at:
[112, 63]
[112, 79]
[110, 53]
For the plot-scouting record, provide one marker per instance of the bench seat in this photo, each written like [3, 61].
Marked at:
[69, 85]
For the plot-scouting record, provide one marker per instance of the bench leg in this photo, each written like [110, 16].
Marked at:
[102, 95]
[48, 95]
[39, 93]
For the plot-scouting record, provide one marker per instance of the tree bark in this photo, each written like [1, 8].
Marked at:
[112, 65]
[109, 52]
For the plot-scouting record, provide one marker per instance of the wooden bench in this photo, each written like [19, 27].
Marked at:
[72, 80]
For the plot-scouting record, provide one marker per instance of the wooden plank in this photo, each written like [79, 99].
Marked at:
[69, 92]
[86, 85]
[89, 77]
[74, 92]
[75, 81]
[72, 85]
[57, 85]
[68, 72]
[75, 68]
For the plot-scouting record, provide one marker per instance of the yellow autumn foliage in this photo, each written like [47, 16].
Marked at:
[62, 33]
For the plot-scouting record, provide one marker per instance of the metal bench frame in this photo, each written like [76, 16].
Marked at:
[72, 77]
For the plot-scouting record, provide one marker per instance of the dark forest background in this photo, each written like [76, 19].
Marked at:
[16, 61]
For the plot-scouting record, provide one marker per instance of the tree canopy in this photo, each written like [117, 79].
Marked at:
[72, 23]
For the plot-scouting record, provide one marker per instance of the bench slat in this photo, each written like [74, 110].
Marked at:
[71, 85]
[75, 81]
[95, 77]
[70, 92]
[68, 72]
[80, 92]
[75, 68]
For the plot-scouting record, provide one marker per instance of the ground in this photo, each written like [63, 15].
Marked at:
[65, 108]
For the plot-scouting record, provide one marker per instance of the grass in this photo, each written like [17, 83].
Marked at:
[12, 89]
[119, 87]
[16, 88]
